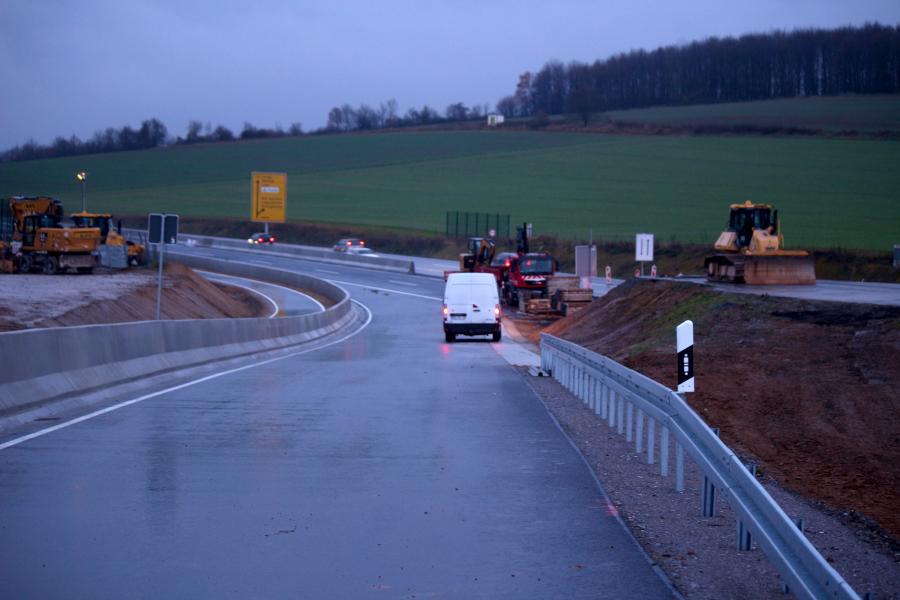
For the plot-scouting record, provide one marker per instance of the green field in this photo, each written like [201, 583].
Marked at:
[831, 192]
[865, 114]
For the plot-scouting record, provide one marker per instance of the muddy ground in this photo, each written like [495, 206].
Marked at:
[29, 301]
[808, 390]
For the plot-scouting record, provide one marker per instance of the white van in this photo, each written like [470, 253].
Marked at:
[471, 306]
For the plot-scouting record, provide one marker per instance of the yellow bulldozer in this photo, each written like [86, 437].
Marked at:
[109, 235]
[751, 250]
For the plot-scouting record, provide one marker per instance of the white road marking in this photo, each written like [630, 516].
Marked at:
[381, 289]
[403, 283]
[327, 271]
[275, 285]
[223, 281]
[108, 409]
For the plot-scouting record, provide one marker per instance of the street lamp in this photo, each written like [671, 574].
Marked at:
[82, 177]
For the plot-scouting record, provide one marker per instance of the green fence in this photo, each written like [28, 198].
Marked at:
[466, 224]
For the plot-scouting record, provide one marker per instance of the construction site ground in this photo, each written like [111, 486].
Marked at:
[109, 296]
[810, 391]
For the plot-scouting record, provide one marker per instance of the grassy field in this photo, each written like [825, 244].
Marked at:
[831, 192]
[865, 114]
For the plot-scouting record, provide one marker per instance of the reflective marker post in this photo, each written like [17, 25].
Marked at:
[684, 340]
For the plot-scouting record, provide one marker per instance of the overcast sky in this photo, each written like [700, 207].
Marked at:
[75, 67]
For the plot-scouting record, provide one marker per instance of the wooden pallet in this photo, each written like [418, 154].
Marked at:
[538, 306]
[561, 282]
[576, 295]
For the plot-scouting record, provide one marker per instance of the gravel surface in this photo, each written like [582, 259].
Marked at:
[699, 555]
[31, 298]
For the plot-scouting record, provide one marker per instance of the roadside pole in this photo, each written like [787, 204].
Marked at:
[162, 258]
[162, 229]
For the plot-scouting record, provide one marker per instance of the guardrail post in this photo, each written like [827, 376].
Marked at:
[744, 541]
[799, 523]
[708, 499]
[620, 416]
[639, 432]
[629, 417]
[651, 440]
[604, 400]
[708, 508]
[664, 451]
[611, 401]
[679, 467]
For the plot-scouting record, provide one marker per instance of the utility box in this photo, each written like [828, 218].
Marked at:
[585, 264]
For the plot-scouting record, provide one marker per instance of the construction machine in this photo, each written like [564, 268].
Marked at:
[110, 236]
[33, 238]
[528, 272]
[751, 250]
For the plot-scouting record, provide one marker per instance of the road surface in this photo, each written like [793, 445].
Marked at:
[387, 465]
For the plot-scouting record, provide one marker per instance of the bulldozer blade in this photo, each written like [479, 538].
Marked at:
[779, 270]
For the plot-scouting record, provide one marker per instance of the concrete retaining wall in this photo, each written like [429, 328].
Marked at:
[43, 365]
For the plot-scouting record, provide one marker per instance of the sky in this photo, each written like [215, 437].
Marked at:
[75, 67]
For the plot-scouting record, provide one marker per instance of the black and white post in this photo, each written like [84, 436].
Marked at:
[684, 340]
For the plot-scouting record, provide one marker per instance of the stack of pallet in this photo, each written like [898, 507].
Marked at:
[538, 306]
[566, 295]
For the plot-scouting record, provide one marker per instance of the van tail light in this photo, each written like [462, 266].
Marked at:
[446, 311]
[272, 239]
[497, 311]
[362, 242]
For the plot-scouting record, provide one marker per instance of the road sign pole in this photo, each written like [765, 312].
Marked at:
[266, 228]
[162, 257]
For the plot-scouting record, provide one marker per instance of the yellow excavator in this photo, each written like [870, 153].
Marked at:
[109, 235]
[751, 250]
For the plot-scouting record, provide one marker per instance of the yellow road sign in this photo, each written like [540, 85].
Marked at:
[268, 197]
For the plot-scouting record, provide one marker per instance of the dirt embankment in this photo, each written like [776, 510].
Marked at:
[116, 297]
[811, 390]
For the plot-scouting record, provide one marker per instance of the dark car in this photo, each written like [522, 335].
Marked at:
[345, 243]
[261, 238]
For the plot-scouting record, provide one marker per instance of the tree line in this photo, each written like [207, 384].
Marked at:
[810, 62]
[151, 134]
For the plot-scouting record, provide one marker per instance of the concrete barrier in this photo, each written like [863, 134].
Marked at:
[41, 366]
[293, 251]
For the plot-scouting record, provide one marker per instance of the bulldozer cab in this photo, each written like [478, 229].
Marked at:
[745, 218]
[100, 221]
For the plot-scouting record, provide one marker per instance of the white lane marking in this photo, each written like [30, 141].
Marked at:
[266, 283]
[403, 283]
[381, 289]
[108, 409]
[326, 271]
[224, 281]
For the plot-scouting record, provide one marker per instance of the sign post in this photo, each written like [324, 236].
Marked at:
[268, 198]
[684, 341]
[643, 249]
[162, 229]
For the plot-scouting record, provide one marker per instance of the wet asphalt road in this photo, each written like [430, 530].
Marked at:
[280, 300]
[390, 465]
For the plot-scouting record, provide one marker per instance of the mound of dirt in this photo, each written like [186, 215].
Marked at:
[117, 297]
[811, 390]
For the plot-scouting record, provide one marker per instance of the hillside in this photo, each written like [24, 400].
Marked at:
[833, 114]
[831, 192]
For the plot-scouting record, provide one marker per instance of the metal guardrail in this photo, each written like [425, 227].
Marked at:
[290, 250]
[624, 397]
